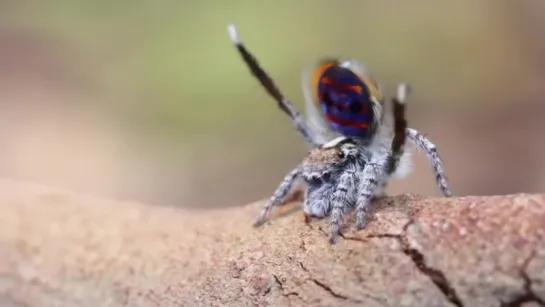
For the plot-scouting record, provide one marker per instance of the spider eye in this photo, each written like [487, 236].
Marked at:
[341, 154]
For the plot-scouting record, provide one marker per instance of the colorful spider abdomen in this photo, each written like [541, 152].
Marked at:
[346, 98]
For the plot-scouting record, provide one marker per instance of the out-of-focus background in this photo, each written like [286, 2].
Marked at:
[148, 100]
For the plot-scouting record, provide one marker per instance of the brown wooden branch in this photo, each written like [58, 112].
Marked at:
[61, 249]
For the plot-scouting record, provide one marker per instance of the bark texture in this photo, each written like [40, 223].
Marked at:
[62, 249]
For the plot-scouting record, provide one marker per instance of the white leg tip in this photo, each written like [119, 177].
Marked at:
[233, 34]
[403, 91]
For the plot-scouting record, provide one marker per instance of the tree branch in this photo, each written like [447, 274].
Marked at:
[62, 249]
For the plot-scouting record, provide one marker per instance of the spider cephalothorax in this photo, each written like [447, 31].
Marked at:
[355, 148]
[329, 160]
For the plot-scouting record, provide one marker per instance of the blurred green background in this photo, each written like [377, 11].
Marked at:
[149, 101]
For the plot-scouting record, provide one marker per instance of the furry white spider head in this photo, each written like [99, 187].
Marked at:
[329, 160]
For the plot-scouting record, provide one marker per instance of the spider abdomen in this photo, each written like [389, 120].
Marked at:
[347, 99]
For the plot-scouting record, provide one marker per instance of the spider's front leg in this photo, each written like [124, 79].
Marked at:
[341, 201]
[278, 196]
[370, 182]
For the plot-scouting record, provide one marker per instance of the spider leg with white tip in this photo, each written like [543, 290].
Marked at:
[271, 88]
[378, 170]
[400, 125]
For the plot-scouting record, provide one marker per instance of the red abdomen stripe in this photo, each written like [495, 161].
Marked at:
[346, 122]
[355, 88]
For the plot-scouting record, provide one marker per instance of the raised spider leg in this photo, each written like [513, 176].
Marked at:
[400, 124]
[375, 175]
[339, 203]
[278, 195]
[283, 103]
[398, 142]
[433, 157]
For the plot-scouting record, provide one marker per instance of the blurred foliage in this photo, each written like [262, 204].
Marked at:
[170, 63]
[168, 67]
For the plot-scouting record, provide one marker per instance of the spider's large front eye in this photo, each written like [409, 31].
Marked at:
[341, 154]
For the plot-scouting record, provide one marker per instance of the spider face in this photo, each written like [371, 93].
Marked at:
[327, 162]
[347, 97]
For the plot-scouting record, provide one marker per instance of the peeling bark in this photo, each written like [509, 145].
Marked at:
[61, 249]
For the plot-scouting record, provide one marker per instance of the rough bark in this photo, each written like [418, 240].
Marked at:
[61, 249]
